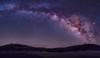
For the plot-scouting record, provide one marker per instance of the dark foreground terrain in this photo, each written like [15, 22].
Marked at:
[18, 55]
[81, 54]
[24, 51]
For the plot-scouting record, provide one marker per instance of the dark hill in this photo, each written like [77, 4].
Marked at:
[19, 47]
[85, 47]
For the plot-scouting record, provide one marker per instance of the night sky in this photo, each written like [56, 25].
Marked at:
[50, 23]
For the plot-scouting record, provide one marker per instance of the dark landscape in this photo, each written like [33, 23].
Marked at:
[24, 51]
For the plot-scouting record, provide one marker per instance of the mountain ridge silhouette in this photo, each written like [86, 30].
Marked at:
[20, 47]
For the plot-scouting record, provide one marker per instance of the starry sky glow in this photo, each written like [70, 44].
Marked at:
[49, 23]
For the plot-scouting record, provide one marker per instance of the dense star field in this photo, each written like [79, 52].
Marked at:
[49, 23]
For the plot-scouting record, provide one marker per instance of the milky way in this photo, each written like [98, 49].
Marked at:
[76, 24]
